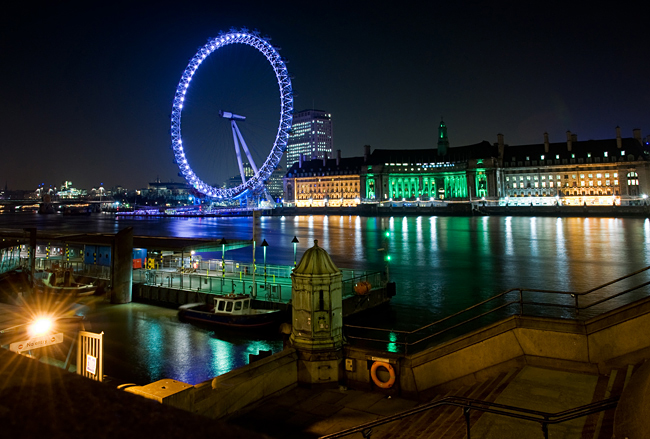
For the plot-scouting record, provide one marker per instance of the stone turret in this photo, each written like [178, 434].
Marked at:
[443, 140]
[317, 317]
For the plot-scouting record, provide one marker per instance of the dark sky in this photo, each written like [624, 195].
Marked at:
[87, 87]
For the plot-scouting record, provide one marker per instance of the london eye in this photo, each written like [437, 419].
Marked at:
[270, 151]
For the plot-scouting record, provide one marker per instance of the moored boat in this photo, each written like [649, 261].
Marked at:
[61, 281]
[231, 310]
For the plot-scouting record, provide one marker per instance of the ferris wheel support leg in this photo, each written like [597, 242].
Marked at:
[243, 144]
[237, 151]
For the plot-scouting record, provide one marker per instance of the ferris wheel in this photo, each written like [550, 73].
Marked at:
[249, 184]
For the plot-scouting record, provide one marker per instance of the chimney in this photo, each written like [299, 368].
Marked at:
[569, 139]
[325, 158]
[366, 153]
[619, 141]
[338, 157]
[546, 144]
[637, 135]
[300, 161]
[501, 145]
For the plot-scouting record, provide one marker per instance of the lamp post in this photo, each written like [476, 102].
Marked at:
[264, 245]
[295, 244]
[223, 259]
[386, 254]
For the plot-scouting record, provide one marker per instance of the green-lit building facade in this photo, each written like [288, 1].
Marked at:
[592, 172]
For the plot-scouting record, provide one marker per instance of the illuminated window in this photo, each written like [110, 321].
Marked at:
[527, 158]
[622, 152]
[521, 178]
[521, 185]
[528, 177]
[582, 175]
[536, 178]
[588, 154]
[536, 184]
[557, 156]
[599, 175]
[582, 183]
[591, 175]
[606, 182]
[606, 174]
[543, 184]
[605, 153]
[514, 185]
[550, 184]
[615, 174]
[573, 156]
[600, 183]
[615, 182]
[591, 183]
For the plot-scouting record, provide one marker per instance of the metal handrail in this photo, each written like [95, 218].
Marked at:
[576, 308]
[467, 404]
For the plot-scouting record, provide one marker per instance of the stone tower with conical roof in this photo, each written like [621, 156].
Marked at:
[317, 316]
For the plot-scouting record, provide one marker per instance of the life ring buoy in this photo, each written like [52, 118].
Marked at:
[391, 372]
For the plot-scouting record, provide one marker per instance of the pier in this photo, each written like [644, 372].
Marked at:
[171, 271]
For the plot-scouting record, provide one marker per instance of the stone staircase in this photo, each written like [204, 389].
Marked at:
[446, 421]
[449, 421]
[601, 425]
[309, 413]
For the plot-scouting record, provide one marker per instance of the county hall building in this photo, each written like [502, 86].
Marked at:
[591, 172]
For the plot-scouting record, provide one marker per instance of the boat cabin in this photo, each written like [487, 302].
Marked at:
[232, 304]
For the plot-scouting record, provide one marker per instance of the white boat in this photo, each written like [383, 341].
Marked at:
[233, 310]
[61, 281]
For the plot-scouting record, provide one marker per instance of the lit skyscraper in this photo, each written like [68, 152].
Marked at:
[311, 135]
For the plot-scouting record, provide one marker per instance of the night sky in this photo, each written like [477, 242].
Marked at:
[87, 87]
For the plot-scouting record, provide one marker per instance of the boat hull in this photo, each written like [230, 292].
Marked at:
[199, 313]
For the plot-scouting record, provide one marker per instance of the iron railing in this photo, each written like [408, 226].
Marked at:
[543, 418]
[217, 277]
[516, 301]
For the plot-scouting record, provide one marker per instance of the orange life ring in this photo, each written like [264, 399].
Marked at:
[391, 372]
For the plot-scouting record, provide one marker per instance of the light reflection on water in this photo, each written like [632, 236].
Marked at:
[145, 343]
[440, 264]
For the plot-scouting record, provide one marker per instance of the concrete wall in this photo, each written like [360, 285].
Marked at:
[594, 346]
[170, 296]
[232, 391]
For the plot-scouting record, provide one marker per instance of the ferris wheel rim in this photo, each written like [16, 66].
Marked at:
[286, 114]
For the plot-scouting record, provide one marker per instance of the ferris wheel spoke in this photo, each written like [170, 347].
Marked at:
[233, 125]
[243, 144]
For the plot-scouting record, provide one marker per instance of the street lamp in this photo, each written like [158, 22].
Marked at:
[40, 326]
[223, 259]
[264, 245]
[295, 243]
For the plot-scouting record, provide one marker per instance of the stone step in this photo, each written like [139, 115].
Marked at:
[446, 421]
[601, 425]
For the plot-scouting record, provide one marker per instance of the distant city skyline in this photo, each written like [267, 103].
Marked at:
[88, 87]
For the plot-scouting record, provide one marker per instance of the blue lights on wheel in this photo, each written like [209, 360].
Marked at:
[256, 182]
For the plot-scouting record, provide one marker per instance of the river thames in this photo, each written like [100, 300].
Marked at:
[440, 265]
